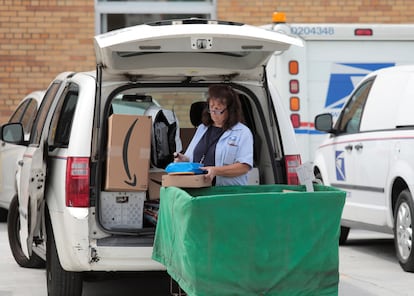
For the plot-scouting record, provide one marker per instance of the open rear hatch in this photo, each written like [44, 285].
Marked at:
[189, 48]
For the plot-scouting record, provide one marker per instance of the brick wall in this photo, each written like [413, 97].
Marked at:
[318, 11]
[41, 38]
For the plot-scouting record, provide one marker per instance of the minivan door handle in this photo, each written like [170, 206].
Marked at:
[348, 147]
[359, 146]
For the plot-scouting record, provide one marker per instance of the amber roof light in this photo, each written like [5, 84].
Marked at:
[279, 17]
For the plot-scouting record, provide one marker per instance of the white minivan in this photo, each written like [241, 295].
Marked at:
[66, 214]
[370, 154]
[10, 159]
[10, 154]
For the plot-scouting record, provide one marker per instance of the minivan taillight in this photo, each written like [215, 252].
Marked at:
[291, 163]
[77, 182]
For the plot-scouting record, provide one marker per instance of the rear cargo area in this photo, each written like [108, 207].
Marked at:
[144, 129]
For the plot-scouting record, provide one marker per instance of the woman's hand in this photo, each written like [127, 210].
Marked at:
[179, 157]
[211, 172]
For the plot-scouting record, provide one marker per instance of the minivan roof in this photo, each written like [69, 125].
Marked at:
[390, 99]
[190, 49]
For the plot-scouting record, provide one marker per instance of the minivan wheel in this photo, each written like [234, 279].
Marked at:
[59, 281]
[343, 235]
[403, 230]
[13, 229]
[3, 215]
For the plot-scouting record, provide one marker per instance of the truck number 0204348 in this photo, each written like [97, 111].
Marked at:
[312, 30]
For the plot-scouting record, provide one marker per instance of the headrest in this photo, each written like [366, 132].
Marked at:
[196, 111]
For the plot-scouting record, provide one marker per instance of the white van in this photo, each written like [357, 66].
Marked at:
[11, 153]
[10, 156]
[67, 213]
[370, 154]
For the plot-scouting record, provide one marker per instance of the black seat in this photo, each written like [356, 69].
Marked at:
[196, 111]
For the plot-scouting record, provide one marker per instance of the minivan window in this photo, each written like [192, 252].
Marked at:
[63, 117]
[25, 114]
[138, 102]
[36, 133]
[17, 115]
[352, 113]
[29, 116]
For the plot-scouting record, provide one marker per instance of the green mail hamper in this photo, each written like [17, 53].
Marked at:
[251, 240]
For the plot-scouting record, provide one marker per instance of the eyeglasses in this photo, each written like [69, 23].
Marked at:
[217, 112]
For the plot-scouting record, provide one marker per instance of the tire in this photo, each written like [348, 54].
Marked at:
[403, 230]
[3, 215]
[344, 232]
[59, 281]
[13, 229]
[343, 235]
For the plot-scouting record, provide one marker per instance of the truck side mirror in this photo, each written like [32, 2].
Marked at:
[324, 122]
[12, 133]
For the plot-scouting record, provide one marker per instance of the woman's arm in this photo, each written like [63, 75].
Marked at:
[188, 155]
[231, 170]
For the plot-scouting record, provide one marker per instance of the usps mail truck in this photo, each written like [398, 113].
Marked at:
[318, 77]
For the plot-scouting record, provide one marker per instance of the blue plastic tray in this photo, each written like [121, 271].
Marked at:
[184, 168]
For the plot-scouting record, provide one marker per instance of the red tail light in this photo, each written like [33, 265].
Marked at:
[363, 32]
[77, 182]
[291, 163]
[295, 119]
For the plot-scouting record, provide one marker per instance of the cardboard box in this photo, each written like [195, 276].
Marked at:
[154, 183]
[128, 155]
[185, 181]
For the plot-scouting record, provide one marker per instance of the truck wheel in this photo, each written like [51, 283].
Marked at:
[59, 281]
[403, 230]
[13, 229]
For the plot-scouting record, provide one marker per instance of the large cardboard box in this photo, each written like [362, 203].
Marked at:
[128, 155]
[185, 181]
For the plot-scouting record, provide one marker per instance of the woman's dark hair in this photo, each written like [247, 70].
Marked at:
[228, 97]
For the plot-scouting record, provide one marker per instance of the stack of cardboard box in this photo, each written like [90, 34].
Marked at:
[128, 160]
[127, 165]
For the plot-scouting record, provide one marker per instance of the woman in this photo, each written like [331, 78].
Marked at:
[222, 143]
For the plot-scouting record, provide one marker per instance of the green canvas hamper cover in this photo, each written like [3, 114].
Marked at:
[250, 240]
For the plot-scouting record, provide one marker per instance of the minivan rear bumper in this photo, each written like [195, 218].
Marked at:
[77, 252]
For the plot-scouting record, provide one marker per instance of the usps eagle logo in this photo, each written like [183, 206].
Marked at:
[340, 165]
